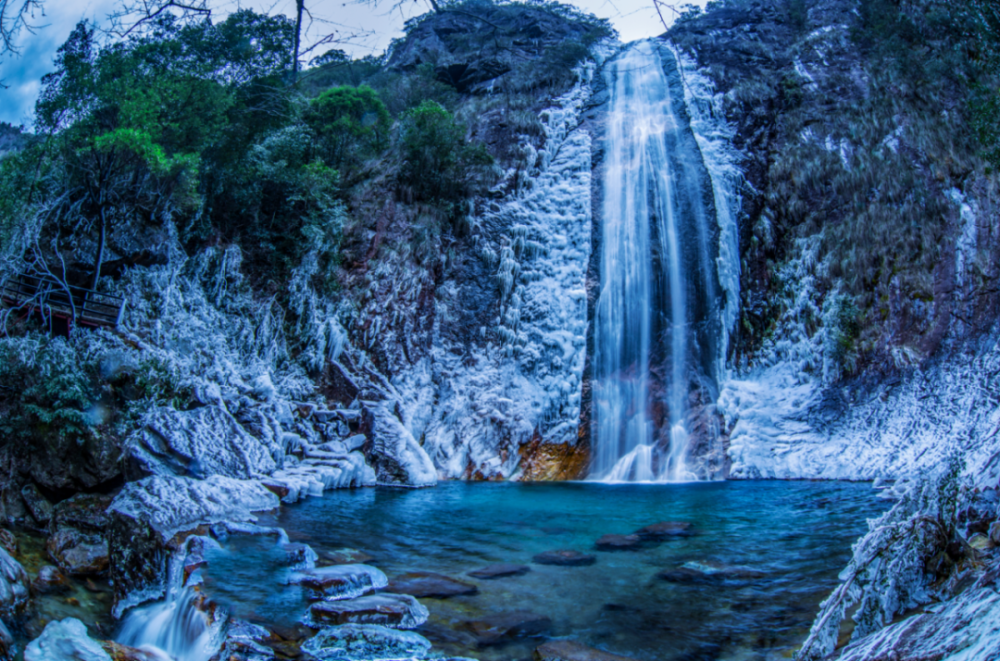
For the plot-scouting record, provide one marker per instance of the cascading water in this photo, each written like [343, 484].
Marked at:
[657, 319]
[172, 630]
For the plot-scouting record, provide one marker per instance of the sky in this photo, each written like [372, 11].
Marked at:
[363, 29]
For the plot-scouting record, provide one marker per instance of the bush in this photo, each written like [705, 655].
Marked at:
[351, 121]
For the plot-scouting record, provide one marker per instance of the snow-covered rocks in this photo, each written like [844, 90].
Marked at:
[366, 642]
[65, 640]
[341, 581]
[198, 443]
[392, 451]
[149, 519]
[398, 611]
[13, 585]
[319, 471]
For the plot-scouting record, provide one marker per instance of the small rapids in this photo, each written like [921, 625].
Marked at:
[171, 630]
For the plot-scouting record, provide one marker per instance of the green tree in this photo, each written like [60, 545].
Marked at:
[351, 121]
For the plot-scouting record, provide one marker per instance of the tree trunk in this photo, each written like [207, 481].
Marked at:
[435, 6]
[300, 6]
[99, 258]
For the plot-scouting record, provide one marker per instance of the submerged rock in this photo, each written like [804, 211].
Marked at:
[696, 572]
[618, 543]
[13, 585]
[366, 642]
[198, 443]
[500, 571]
[399, 611]
[507, 626]
[665, 529]
[570, 650]
[65, 640]
[50, 579]
[341, 581]
[564, 558]
[392, 451]
[152, 517]
[430, 585]
[345, 557]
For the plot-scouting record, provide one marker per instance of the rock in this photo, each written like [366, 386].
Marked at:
[564, 558]
[244, 642]
[995, 533]
[392, 451]
[198, 443]
[65, 640]
[13, 585]
[345, 557]
[315, 474]
[570, 650]
[341, 581]
[506, 626]
[49, 580]
[78, 553]
[119, 652]
[696, 572]
[7, 541]
[500, 571]
[665, 530]
[299, 556]
[7, 646]
[618, 543]
[151, 517]
[365, 642]
[430, 585]
[84, 511]
[38, 505]
[398, 611]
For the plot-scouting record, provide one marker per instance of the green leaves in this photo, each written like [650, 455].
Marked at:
[352, 121]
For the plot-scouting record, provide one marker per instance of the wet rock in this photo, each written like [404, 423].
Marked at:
[13, 585]
[502, 627]
[8, 542]
[198, 443]
[341, 581]
[152, 517]
[665, 530]
[84, 511]
[994, 533]
[398, 611]
[546, 462]
[119, 652]
[245, 642]
[345, 557]
[366, 642]
[696, 572]
[7, 645]
[392, 451]
[430, 585]
[500, 571]
[38, 505]
[570, 650]
[49, 580]
[65, 640]
[299, 556]
[78, 553]
[618, 543]
[564, 558]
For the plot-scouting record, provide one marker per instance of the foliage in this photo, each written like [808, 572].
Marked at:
[438, 162]
[352, 122]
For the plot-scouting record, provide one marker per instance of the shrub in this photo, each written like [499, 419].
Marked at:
[352, 122]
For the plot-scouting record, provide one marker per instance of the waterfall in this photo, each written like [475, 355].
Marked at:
[173, 629]
[657, 321]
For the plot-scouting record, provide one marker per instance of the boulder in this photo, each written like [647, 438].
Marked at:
[502, 627]
[78, 553]
[198, 443]
[398, 611]
[13, 585]
[38, 505]
[65, 640]
[152, 518]
[500, 571]
[570, 650]
[564, 558]
[665, 530]
[341, 581]
[392, 451]
[697, 572]
[84, 511]
[618, 543]
[365, 642]
[49, 580]
[430, 585]
[245, 642]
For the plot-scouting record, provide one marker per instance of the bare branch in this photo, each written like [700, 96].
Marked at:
[16, 15]
[135, 14]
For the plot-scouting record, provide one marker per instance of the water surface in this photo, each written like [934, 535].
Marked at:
[783, 542]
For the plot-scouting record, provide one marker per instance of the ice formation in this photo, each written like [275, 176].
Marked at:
[65, 640]
[341, 581]
[366, 642]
